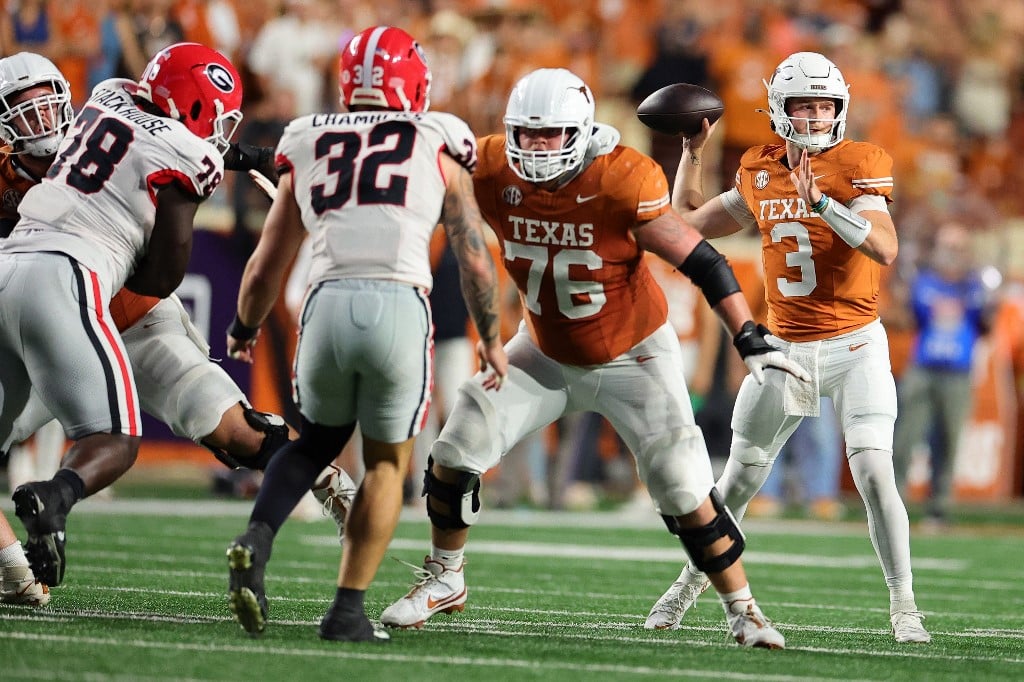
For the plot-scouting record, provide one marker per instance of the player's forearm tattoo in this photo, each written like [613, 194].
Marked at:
[464, 226]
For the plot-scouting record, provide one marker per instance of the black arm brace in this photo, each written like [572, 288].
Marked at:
[709, 270]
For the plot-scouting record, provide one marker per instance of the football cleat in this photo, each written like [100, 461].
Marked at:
[750, 627]
[41, 509]
[348, 626]
[336, 493]
[437, 590]
[19, 586]
[907, 627]
[247, 561]
[668, 611]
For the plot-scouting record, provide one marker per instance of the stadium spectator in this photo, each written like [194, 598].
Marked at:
[365, 333]
[953, 309]
[595, 338]
[291, 54]
[823, 248]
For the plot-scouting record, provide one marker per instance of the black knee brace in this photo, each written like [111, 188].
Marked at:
[697, 540]
[462, 499]
[275, 435]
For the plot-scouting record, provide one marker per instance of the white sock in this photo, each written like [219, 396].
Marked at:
[13, 555]
[742, 594]
[449, 558]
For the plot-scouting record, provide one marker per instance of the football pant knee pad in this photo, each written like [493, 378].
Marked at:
[460, 499]
[696, 541]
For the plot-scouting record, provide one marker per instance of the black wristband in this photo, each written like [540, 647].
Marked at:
[241, 331]
[749, 340]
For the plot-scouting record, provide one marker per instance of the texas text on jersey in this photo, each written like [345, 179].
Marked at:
[589, 293]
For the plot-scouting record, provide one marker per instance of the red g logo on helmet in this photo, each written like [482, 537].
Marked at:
[384, 67]
[198, 86]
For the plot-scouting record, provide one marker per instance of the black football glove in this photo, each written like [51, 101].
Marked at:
[246, 157]
[758, 354]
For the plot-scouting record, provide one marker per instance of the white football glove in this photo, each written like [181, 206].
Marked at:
[755, 346]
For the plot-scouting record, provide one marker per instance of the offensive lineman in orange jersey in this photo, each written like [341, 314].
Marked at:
[574, 212]
[820, 205]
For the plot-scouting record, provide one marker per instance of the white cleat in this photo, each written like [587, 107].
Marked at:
[907, 627]
[668, 612]
[437, 590]
[750, 627]
[19, 586]
[335, 492]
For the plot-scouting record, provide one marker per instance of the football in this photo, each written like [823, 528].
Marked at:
[679, 109]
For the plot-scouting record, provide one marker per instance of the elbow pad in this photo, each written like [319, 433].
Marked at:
[709, 270]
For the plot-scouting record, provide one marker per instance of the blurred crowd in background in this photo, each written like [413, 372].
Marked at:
[938, 83]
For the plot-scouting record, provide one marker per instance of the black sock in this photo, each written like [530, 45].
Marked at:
[291, 472]
[70, 485]
[347, 599]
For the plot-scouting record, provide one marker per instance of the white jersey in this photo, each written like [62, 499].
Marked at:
[92, 205]
[370, 189]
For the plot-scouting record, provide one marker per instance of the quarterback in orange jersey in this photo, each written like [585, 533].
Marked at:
[819, 203]
[575, 212]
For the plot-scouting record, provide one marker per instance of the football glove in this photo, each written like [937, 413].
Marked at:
[246, 157]
[759, 354]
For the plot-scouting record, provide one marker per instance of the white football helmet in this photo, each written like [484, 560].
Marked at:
[35, 126]
[549, 98]
[807, 74]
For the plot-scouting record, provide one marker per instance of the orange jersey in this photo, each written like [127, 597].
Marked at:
[583, 281]
[816, 285]
[13, 185]
[127, 308]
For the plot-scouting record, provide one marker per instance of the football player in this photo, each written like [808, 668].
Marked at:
[177, 382]
[575, 212]
[115, 209]
[35, 113]
[819, 202]
[369, 186]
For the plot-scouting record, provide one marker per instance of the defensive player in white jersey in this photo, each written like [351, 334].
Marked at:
[819, 202]
[575, 212]
[115, 209]
[369, 186]
[177, 381]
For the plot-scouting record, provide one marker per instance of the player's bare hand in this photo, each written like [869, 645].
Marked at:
[492, 356]
[696, 142]
[803, 180]
[241, 350]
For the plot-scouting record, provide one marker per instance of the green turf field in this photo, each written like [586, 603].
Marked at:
[552, 597]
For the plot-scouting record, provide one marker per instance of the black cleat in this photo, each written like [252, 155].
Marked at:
[247, 560]
[351, 626]
[41, 509]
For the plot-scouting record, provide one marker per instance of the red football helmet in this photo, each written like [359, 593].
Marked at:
[197, 86]
[384, 67]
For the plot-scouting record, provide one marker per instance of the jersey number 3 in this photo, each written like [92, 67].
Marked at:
[801, 258]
